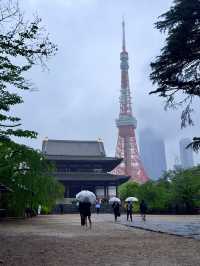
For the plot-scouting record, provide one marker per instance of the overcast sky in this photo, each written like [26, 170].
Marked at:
[79, 97]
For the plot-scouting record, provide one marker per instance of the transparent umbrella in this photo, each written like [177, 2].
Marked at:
[132, 199]
[86, 196]
[114, 199]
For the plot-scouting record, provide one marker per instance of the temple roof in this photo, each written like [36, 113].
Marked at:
[109, 163]
[83, 158]
[76, 151]
[83, 176]
[70, 148]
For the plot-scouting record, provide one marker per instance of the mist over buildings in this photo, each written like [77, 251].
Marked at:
[79, 97]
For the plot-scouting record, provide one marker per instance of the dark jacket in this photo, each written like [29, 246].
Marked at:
[116, 208]
[85, 208]
[129, 207]
[143, 207]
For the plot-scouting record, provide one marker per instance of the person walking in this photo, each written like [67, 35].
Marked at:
[61, 209]
[143, 210]
[116, 210]
[85, 213]
[129, 210]
[39, 209]
[98, 206]
[81, 211]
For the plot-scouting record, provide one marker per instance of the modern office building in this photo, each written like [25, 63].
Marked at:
[186, 155]
[177, 164]
[152, 153]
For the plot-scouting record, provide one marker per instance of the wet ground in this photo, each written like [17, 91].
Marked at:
[181, 225]
[60, 240]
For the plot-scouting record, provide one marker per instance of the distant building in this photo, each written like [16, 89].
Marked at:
[177, 165]
[186, 155]
[152, 152]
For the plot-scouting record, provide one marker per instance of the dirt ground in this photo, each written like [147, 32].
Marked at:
[60, 240]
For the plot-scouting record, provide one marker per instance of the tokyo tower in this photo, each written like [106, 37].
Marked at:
[126, 124]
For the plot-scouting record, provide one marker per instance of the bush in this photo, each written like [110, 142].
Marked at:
[176, 192]
[30, 177]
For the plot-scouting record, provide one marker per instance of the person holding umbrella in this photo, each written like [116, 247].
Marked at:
[116, 206]
[116, 210]
[86, 199]
[85, 212]
[129, 207]
[129, 210]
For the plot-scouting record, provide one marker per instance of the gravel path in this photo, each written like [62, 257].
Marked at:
[59, 240]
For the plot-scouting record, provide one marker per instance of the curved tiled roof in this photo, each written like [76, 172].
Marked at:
[73, 148]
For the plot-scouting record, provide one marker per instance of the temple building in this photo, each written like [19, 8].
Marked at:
[83, 165]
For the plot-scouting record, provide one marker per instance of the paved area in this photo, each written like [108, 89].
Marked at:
[59, 240]
[181, 225]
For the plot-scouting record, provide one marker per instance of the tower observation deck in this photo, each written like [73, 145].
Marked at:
[126, 124]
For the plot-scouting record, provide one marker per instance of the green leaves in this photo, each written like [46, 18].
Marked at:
[29, 175]
[176, 192]
[22, 42]
[22, 45]
[128, 189]
[186, 188]
[176, 70]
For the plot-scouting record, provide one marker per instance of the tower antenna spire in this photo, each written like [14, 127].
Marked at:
[123, 35]
[126, 124]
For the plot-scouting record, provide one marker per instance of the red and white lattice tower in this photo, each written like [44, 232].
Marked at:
[126, 123]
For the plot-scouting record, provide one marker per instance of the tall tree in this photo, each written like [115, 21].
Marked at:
[185, 189]
[22, 45]
[176, 71]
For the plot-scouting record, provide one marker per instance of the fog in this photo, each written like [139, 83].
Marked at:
[78, 98]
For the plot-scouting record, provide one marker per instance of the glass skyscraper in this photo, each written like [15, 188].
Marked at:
[152, 153]
[186, 155]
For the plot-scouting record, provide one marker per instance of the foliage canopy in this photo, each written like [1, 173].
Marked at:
[176, 71]
[30, 177]
[179, 193]
[22, 45]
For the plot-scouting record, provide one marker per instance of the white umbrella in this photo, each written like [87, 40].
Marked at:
[114, 199]
[132, 199]
[86, 196]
